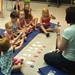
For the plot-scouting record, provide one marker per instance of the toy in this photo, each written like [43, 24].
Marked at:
[18, 61]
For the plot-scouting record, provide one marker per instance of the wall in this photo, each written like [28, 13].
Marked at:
[63, 1]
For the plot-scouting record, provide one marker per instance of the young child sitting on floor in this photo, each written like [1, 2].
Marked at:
[22, 23]
[45, 21]
[29, 18]
[9, 34]
[7, 63]
[14, 16]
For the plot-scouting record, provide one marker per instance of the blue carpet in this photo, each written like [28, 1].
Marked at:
[49, 69]
[29, 38]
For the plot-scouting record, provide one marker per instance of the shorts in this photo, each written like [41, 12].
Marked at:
[18, 0]
[46, 27]
[27, 1]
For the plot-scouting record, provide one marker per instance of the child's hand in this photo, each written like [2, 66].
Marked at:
[52, 17]
[57, 51]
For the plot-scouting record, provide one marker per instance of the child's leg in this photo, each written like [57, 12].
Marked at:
[28, 5]
[17, 3]
[50, 29]
[1, 10]
[25, 5]
[34, 23]
[44, 30]
[21, 5]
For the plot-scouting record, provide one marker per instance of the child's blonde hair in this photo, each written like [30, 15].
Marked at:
[45, 10]
[4, 45]
[7, 25]
[20, 11]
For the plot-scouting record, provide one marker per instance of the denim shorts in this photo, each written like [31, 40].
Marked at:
[46, 27]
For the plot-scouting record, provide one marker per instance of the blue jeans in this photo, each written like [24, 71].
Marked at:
[58, 61]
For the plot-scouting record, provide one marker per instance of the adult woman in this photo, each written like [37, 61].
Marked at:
[1, 11]
[64, 58]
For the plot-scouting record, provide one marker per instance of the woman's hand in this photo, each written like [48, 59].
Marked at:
[56, 51]
[57, 30]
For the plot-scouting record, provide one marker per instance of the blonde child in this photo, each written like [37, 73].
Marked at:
[9, 34]
[22, 23]
[45, 21]
[29, 18]
[27, 2]
[6, 59]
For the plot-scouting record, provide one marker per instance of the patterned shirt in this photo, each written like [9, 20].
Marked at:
[6, 61]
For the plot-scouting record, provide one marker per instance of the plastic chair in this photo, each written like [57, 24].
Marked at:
[8, 5]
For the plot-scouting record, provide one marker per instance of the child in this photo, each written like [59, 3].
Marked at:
[29, 18]
[14, 16]
[27, 2]
[17, 4]
[22, 23]
[9, 34]
[6, 59]
[45, 21]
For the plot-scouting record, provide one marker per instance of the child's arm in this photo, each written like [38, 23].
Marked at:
[27, 25]
[19, 26]
[5, 35]
[22, 41]
[15, 35]
[52, 17]
[15, 39]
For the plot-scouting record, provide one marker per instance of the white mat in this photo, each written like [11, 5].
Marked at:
[34, 52]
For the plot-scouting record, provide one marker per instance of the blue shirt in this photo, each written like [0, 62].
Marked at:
[6, 61]
[15, 28]
[69, 34]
